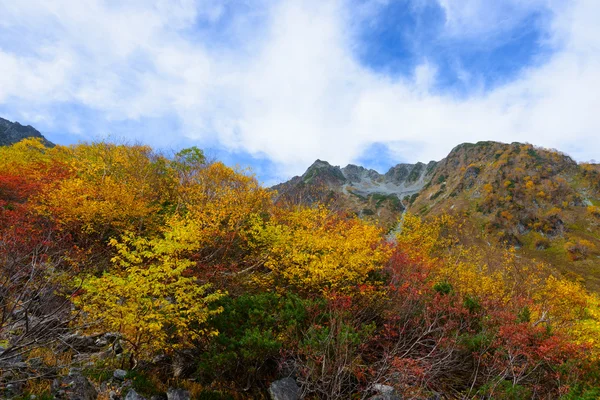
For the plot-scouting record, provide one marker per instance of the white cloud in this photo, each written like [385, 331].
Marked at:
[471, 18]
[290, 88]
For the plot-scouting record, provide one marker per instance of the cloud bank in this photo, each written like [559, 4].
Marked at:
[283, 81]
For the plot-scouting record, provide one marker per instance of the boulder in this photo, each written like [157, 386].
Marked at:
[284, 389]
[120, 374]
[384, 392]
[132, 395]
[183, 364]
[74, 387]
[80, 343]
[13, 389]
[178, 394]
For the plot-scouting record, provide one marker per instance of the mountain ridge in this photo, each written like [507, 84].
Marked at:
[538, 201]
[13, 132]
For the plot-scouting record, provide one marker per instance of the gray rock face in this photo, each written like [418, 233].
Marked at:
[324, 172]
[284, 389]
[132, 395]
[14, 132]
[355, 173]
[74, 387]
[401, 180]
[178, 394]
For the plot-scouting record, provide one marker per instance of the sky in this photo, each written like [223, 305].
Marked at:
[275, 85]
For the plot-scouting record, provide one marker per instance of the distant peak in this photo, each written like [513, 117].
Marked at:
[13, 132]
[320, 163]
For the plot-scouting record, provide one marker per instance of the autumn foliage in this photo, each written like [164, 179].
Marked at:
[184, 257]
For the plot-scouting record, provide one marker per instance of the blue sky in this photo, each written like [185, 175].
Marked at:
[275, 85]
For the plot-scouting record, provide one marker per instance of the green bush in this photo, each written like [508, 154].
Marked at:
[443, 287]
[252, 328]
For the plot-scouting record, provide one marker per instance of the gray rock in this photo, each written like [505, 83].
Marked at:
[9, 359]
[384, 392]
[385, 397]
[133, 395]
[178, 394]
[74, 387]
[111, 337]
[14, 389]
[80, 343]
[182, 364]
[161, 396]
[383, 389]
[284, 389]
[120, 374]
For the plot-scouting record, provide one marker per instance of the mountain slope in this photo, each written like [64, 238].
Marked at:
[538, 201]
[13, 132]
[364, 191]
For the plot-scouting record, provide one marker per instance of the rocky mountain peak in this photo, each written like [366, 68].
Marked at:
[13, 132]
[323, 173]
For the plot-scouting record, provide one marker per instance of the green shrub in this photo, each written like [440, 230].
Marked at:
[443, 287]
[252, 328]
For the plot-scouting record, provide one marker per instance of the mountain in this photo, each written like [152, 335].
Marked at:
[13, 132]
[364, 191]
[538, 201]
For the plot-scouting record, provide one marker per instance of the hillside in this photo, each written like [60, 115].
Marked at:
[127, 274]
[538, 201]
[13, 132]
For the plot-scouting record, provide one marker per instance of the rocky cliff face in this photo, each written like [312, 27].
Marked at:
[363, 191]
[400, 181]
[13, 132]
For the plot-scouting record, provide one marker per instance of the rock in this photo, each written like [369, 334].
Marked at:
[182, 364]
[385, 397]
[160, 359]
[74, 387]
[118, 349]
[13, 389]
[132, 395]
[111, 337]
[120, 374]
[384, 392]
[284, 389]
[9, 359]
[383, 389]
[80, 343]
[178, 394]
